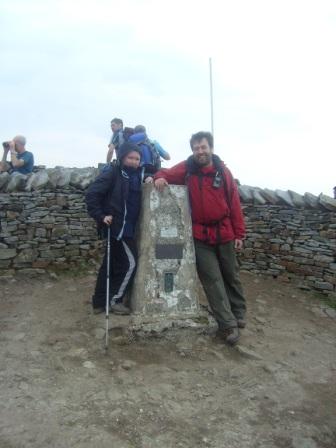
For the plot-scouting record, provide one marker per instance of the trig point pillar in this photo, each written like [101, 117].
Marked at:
[166, 286]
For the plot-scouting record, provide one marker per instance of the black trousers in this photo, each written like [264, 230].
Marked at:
[123, 260]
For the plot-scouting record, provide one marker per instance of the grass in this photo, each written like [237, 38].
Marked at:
[201, 320]
[329, 301]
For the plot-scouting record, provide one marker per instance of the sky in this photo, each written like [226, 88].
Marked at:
[68, 68]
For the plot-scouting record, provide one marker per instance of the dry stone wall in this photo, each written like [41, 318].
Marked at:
[291, 242]
[43, 229]
[44, 224]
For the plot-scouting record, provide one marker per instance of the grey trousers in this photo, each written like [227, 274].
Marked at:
[218, 271]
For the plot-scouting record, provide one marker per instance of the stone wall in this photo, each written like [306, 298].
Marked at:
[291, 242]
[43, 229]
[44, 224]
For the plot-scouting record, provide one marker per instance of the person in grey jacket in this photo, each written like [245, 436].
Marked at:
[117, 138]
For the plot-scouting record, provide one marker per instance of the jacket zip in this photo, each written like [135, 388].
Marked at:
[125, 175]
[200, 186]
[124, 222]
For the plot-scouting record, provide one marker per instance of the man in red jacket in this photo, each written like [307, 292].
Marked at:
[218, 230]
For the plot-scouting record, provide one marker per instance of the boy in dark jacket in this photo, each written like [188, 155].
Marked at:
[114, 200]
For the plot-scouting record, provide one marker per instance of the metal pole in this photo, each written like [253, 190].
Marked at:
[107, 285]
[211, 97]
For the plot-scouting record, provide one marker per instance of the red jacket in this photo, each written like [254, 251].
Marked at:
[216, 212]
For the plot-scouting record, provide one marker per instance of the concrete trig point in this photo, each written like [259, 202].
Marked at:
[166, 287]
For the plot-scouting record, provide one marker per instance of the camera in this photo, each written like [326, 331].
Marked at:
[217, 180]
[5, 145]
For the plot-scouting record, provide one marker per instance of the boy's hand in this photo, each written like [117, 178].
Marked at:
[108, 220]
[149, 180]
[160, 184]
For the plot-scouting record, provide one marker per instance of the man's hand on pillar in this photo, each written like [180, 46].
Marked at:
[160, 184]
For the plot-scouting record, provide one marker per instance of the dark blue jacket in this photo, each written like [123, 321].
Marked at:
[109, 195]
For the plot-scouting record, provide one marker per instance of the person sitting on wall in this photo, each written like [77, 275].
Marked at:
[21, 161]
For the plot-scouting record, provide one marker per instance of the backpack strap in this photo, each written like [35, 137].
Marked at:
[155, 154]
[220, 170]
[192, 168]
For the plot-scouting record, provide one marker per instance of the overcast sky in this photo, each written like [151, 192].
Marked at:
[69, 67]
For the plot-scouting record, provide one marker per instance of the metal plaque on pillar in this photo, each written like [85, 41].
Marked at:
[169, 251]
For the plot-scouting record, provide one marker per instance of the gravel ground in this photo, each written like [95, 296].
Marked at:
[60, 389]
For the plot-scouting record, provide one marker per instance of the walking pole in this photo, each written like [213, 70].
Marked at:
[107, 286]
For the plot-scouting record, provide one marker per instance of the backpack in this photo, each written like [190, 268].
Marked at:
[154, 156]
[127, 132]
[103, 167]
[149, 154]
[112, 166]
[219, 178]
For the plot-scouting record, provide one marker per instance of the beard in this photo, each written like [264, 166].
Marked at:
[203, 160]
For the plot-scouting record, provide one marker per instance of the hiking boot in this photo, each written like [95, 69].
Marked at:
[120, 308]
[230, 335]
[241, 323]
[98, 303]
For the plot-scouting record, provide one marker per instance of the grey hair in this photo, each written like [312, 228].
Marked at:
[139, 128]
[20, 139]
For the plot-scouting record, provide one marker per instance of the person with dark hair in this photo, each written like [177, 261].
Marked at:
[218, 230]
[117, 138]
[114, 200]
[21, 161]
[151, 152]
[200, 136]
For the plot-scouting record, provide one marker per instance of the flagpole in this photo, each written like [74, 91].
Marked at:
[211, 97]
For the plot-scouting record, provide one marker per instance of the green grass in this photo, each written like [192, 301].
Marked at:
[201, 320]
[330, 301]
